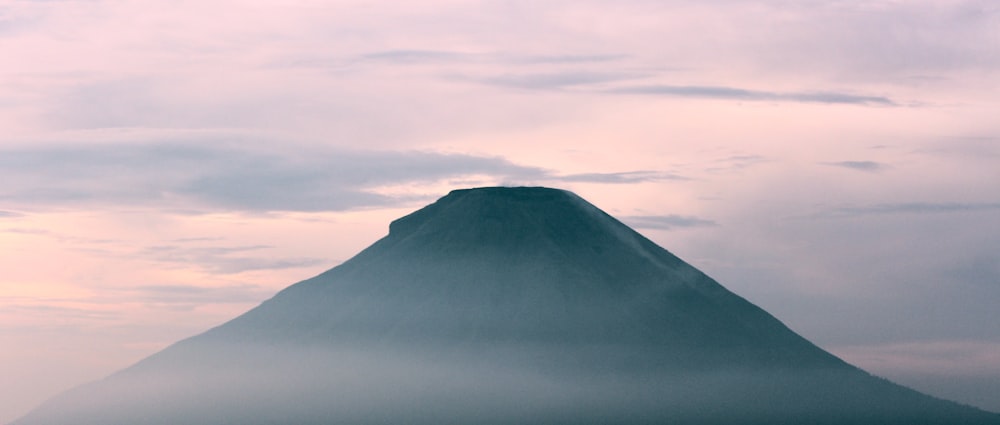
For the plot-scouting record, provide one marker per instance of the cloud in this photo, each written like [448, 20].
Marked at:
[415, 56]
[450, 58]
[626, 177]
[27, 231]
[82, 243]
[735, 163]
[524, 71]
[340, 180]
[550, 80]
[419, 56]
[191, 294]
[213, 174]
[924, 37]
[9, 214]
[570, 59]
[979, 148]
[917, 208]
[25, 307]
[665, 222]
[733, 93]
[869, 166]
[224, 259]
[199, 239]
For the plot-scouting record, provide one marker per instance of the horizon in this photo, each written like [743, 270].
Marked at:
[169, 165]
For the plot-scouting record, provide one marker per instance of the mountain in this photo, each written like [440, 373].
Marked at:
[502, 305]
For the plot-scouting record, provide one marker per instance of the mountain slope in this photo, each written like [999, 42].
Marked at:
[502, 305]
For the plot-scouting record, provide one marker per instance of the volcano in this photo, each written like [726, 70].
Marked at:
[502, 306]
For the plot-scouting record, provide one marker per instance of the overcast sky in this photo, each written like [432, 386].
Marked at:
[167, 165]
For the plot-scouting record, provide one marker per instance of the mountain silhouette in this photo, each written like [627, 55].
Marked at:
[502, 306]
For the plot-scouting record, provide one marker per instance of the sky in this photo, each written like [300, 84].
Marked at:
[167, 165]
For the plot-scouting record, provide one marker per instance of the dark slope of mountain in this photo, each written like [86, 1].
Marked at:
[502, 305]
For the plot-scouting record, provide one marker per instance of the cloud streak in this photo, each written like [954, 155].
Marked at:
[666, 222]
[25, 307]
[570, 59]
[216, 175]
[735, 163]
[213, 175]
[191, 294]
[551, 80]
[868, 166]
[735, 93]
[225, 259]
[917, 208]
[423, 56]
[627, 177]
[419, 56]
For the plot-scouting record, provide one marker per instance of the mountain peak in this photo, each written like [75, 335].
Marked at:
[539, 264]
[486, 203]
[525, 222]
[516, 192]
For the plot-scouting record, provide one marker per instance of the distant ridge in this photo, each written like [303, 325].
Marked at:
[500, 305]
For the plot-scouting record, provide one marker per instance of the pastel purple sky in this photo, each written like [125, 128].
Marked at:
[167, 165]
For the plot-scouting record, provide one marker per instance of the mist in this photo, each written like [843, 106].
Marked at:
[503, 383]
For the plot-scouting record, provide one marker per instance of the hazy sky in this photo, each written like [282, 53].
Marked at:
[166, 165]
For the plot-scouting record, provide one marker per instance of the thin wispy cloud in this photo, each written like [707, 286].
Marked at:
[82, 243]
[222, 176]
[735, 93]
[626, 177]
[666, 222]
[27, 231]
[198, 239]
[980, 148]
[569, 59]
[197, 295]
[449, 58]
[915, 208]
[28, 307]
[868, 166]
[225, 259]
[420, 56]
[735, 163]
[552, 80]
[214, 175]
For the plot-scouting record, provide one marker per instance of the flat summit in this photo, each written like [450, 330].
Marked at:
[502, 305]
